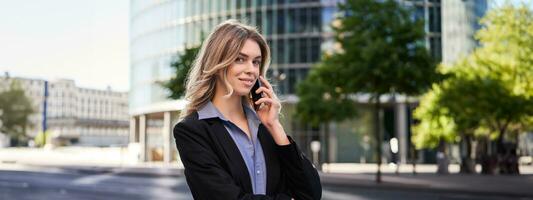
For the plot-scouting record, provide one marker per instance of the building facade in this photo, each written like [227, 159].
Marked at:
[76, 116]
[297, 31]
[461, 21]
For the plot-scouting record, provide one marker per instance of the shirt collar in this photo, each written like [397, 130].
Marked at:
[210, 111]
[250, 113]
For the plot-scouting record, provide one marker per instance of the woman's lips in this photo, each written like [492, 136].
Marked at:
[247, 82]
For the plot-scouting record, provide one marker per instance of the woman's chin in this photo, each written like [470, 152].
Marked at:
[241, 92]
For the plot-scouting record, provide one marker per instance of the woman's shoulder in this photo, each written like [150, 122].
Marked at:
[188, 124]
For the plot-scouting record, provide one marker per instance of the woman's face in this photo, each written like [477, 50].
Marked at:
[245, 70]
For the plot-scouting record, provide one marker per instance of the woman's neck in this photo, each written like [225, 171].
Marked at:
[230, 107]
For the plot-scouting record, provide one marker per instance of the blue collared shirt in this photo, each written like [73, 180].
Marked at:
[251, 150]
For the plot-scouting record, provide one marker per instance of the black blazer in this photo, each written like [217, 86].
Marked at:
[215, 169]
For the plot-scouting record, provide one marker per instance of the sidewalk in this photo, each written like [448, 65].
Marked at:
[497, 185]
[339, 175]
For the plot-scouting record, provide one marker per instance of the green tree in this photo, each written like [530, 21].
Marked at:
[504, 60]
[435, 124]
[181, 66]
[15, 110]
[436, 128]
[381, 51]
[489, 93]
[468, 107]
[320, 104]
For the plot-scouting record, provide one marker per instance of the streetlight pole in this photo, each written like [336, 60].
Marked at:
[45, 107]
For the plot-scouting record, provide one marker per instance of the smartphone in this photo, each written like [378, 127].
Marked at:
[254, 95]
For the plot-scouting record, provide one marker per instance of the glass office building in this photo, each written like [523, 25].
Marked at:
[460, 24]
[297, 32]
[160, 29]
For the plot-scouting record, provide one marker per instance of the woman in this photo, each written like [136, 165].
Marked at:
[229, 149]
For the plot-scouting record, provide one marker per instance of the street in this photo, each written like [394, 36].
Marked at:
[37, 185]
[25, 185]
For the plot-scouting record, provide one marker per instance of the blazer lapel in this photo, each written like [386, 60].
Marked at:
[236, 162]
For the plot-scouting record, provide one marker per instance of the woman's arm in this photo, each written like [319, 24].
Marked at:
[205, 176]
[301, 175]
[303, 178]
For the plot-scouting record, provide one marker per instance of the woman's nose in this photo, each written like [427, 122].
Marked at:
[250, 68]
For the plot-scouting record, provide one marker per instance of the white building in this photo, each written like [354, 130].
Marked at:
[77, 116]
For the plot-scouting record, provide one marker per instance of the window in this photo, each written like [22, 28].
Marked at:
[291, 79]
[292, 51]
[431, 20]
[280, 23]
[435, 47]
[315, 50]
[302, 19]
[259, 22]
[303, 49]
[292, 21]
[269, 23]
[315, 20]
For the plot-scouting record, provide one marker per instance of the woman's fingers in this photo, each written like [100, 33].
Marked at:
[266, 91]
[269, 89]
[264, 100]
[270, 99]
[265, 82]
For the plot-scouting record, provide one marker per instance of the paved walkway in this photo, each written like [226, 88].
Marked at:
[499, 185]
[340, 175]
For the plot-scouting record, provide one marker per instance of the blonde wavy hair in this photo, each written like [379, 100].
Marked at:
[219, 50]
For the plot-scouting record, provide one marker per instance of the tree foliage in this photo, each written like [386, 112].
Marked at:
[379, 50]
[321, 103]
[181, 66]
[492, 86]
[436, 124]
[15, 110]
[488, 93]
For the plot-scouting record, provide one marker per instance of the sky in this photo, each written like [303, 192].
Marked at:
[83, 40]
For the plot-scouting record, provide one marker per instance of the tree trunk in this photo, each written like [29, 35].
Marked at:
[467, 163]
[488, 159]
[502, 154]
[377, 130]
[326, 145]
[442, 159]
[507, 155]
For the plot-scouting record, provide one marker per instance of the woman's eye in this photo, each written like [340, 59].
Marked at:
[257, 62]
[239, 60]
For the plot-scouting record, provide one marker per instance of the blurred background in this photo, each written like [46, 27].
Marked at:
[390, 99]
